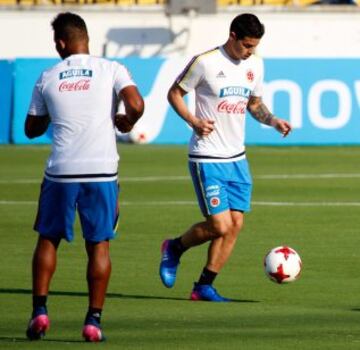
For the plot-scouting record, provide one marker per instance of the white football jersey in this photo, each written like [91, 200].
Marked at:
[80, 94]
[222, 90]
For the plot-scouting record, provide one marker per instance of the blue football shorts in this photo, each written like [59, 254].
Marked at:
[222, 186]
[96, 203]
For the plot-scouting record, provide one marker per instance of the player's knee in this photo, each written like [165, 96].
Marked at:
[238, 224]
[228, 229]
[221, 228]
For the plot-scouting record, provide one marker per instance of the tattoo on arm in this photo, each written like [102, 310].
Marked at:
[259, 111]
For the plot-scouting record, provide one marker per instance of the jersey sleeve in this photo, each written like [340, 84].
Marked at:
[122, 78]
[37, 104]
[191, 76]
[259, 87]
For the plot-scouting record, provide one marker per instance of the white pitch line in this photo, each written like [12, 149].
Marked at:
[121, 179]
[153, 178]
[307, 176]
[185, 203]
[187, 178]
[307, 204]
[4, 202]
[20, 181]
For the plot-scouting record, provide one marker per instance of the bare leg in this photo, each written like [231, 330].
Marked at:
[221, 248]
[98, 272]
[43, 268]
[197, 234]
[44, 265]
[222, 229]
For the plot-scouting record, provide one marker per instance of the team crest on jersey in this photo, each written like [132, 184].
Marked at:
[250, 75]
[215, 202]
[75, 73]
[234, 91]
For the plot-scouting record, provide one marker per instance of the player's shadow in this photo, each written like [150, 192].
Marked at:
[110, 295]
[25, 340]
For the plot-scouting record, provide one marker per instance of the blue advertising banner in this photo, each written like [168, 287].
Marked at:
[6, 87]
[27, 71]
[320, 97]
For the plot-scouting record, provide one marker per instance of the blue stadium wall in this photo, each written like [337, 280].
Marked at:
[6, 90]
[321, 98]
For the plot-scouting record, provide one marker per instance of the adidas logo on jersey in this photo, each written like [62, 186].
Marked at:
[221, 75]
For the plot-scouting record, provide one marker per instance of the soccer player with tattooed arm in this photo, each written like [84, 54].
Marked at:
[228, 81]
[79, 96]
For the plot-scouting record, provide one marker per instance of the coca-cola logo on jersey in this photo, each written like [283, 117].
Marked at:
[80, 85]
[232, 107]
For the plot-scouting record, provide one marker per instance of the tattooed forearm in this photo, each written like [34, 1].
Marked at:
[259, 111]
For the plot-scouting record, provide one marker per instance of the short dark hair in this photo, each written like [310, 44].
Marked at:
[248, 25]
[69, 26]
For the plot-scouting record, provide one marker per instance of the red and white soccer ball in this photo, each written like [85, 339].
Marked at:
[282, 265]
[138, 137]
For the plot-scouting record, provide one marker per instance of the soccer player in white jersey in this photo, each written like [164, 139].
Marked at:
[79, 97]
[227, 81]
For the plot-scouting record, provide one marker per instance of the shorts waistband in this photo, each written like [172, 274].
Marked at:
[203, 158]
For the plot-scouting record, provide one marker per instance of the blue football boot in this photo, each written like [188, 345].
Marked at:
[168, 265]
[206, 292]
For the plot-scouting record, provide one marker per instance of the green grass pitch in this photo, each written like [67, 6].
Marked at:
[307, 198]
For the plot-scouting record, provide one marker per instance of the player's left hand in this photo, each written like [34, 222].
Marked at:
[282, 126]
[122, 123]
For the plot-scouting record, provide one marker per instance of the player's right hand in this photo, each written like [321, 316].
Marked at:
[203, 127]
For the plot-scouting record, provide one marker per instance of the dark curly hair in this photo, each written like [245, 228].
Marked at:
[248, 25]
[69, 26]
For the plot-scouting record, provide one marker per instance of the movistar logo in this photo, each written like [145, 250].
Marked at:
[76, 73]
[235, 91]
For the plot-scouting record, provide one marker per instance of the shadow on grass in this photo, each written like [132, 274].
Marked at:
[25, 340]
[109, 295]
